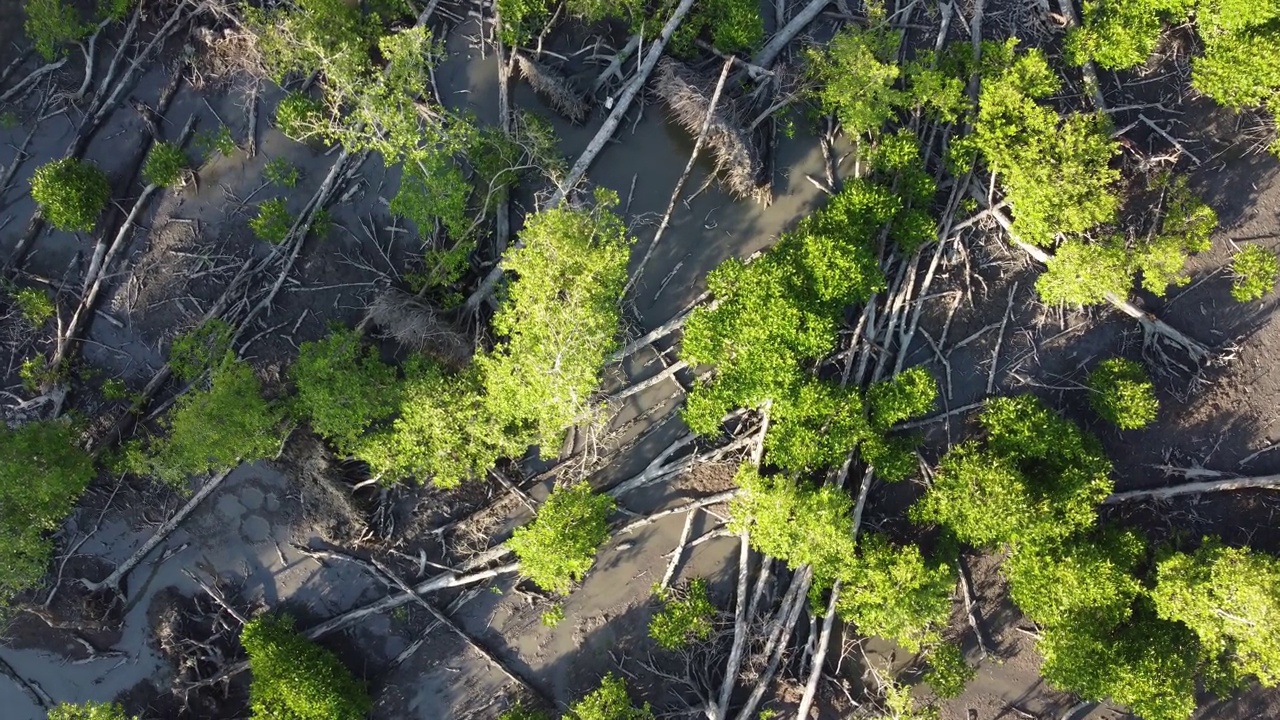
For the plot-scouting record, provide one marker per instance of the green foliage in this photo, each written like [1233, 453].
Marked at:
[1120, 34]
[609, 702]
[212, 429]
[559, 546]
[71, 193]
[1055, 171]
[795, 523]
[114, 9]
[53, 25]
[1147, 665]
[910, 393]
[273, 221]
[89, 711]
[560, 319]
[779, 313]
[34, 305]
[197, 351]
[165, 164]
[297, 115]
[893, 592]
[814, 426]
[296, 679]
[36, 373]
[1085, 273]
[1240, 67]
[330, 36]
[1039, 478]
[1122, 394]
[1088, 580]
[856, 77]
[730, 25]
[1186, 228]
[948, 672]
[936, 82]
[686, 616]
[343, 388]
[554, 616]
[208, 142]
[281, 172]
[432, 188]
[1230, 598]
[443, 431]
[1254, 269]
[42, 473]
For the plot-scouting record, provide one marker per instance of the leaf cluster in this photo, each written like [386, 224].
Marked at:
[343, 388]
[71, 193]
[1123, 394]
[1055, 171]
[211, 428]
[730, 25]
[165, 164]
[89, 711]
[1254, 269]
[34, 305]
[1230, 598]
[559, 546]
[608, 702]
[948, 672]
[295, 678]
[53, 25]
[686, 616]
[273, 221]
[42, 473]
[1121, 34]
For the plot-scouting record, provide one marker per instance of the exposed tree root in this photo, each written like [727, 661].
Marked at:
[416, 324]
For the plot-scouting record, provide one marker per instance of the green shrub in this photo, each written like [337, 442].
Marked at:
[814, 426]
[296, 679]
[1240, 67]
[1089, 579]
[910, 393]
[42, 473]
[53, 25]
[948, 672]
[554, 616]
[686, 616]
[1254, 269]
[1055, 171]
[1230, 598]
[208, 142]
[281, 172]
[433, 188]
[273, 221]
[559, 546]
[1085, 273]
[609, 702]
[298, 115]
[520, 712]
[344, 388]
[894, 593]
[165, 164]
[857, 78]
[71, 193]
[1038, 478]
[1120, 34]
[34, 305]
[89, 711]
[200, 349]
[1122, 394]
[212, 429]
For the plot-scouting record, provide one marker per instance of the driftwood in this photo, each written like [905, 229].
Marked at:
[1267, 482]
[554, 88]
[783, 37]
[30, 687]
[679, 551]
[112, 581]
[736, 155]
[708, 119]
[485, 289]
[780, 629]
[30, 80]
[661, 331]
[416, 324]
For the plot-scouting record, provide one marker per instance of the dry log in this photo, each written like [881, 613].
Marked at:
[553, 87]
[661, 331]
[485, 289]
[819, 655]
[647, 383]
[112, 581]
[780, 629]
[1266, 482]
[416, 324]
[30, 687]
[799, 22]
[679, 551]
[708, 119]
[720, 711]
[29, 81]
[736, 157]
[689, 507]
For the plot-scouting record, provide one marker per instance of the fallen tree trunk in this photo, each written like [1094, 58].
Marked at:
[1150, 323]
[485, 289]
[774, 47]
[1268, 482]
[112, 581]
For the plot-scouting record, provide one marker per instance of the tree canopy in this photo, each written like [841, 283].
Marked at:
[297, 679]
[559, 546]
